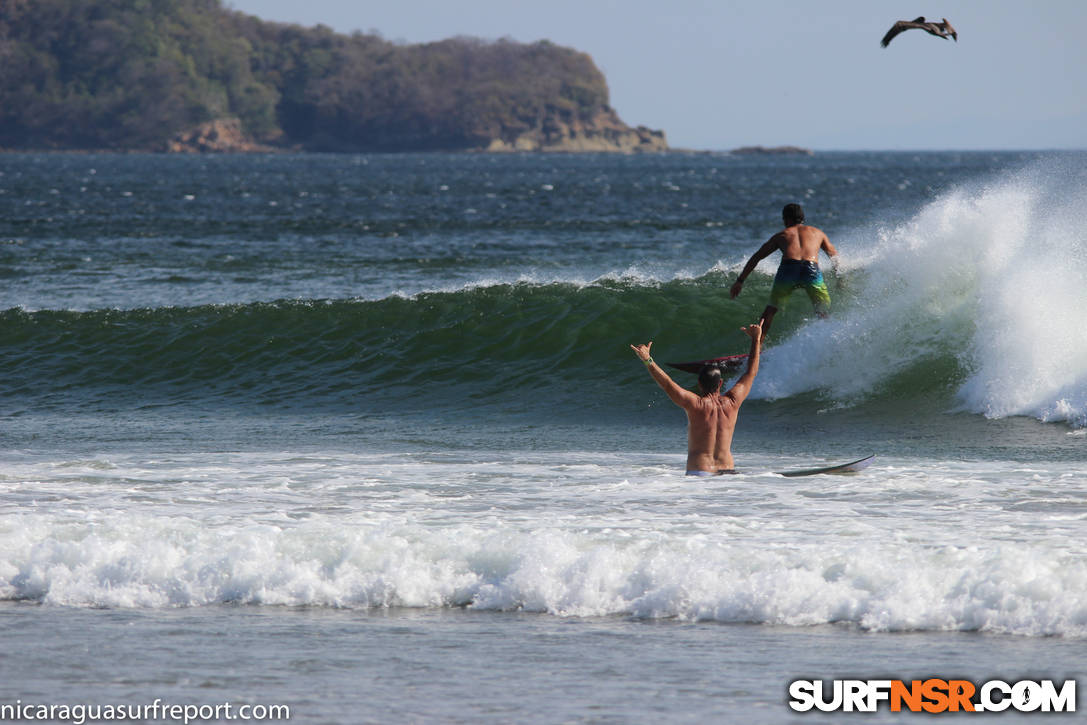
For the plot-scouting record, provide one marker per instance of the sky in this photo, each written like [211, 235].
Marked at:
[718, 75]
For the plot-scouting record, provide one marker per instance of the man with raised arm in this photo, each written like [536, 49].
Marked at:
[711, 416]
[799, 245]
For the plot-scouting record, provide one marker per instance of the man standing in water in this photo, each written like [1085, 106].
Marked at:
[711, 416]
[799, 245]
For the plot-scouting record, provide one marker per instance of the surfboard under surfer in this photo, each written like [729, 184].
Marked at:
[711, 416]
[799, 245]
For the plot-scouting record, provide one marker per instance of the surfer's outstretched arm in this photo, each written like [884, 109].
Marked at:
[679, 395]
[742, 387]
[832, 252]
[829, 248]
[764, 251]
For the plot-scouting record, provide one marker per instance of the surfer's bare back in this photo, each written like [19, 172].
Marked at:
[711, 416]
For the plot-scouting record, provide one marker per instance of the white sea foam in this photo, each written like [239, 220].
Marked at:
[564, 533]
[159, 562]
[995, 276]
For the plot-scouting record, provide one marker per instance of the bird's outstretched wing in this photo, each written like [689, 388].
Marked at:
[901, 26]
[897, 28]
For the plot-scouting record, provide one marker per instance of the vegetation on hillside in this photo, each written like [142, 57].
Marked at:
[132, 74]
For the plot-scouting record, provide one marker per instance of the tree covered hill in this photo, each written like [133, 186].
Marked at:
[193, 75]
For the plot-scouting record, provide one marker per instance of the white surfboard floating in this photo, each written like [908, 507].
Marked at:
[840, 469]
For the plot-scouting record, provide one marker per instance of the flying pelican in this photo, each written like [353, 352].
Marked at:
[940, 30]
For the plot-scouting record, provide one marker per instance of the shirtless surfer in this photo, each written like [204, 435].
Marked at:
[799, 245]
[711, 416]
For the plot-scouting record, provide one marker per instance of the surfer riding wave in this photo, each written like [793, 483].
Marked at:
[799, 245]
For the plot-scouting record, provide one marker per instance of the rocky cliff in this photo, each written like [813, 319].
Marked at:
[223, 135]
[602, 132]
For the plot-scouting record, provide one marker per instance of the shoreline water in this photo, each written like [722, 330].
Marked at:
[465, 666]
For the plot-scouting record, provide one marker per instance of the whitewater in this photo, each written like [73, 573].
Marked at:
[991, 277]
[564, 534]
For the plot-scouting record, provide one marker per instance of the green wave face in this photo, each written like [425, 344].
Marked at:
[447, 349]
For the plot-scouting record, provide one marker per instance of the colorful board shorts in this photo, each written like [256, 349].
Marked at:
[794, 274]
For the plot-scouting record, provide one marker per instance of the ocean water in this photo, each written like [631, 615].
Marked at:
[363, 435]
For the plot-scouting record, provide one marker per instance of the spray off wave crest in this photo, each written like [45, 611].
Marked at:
[984, 291]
